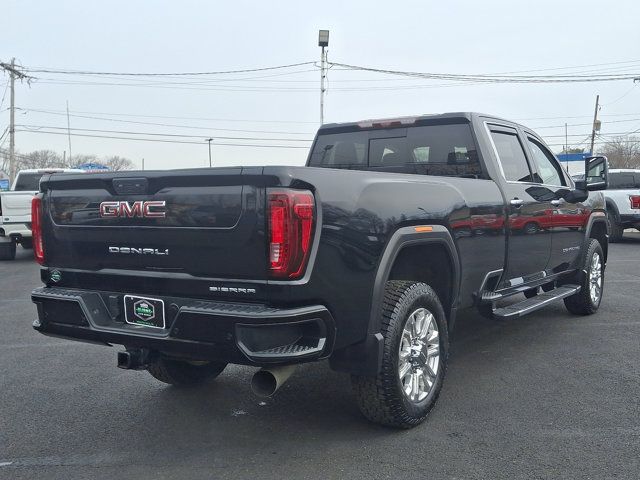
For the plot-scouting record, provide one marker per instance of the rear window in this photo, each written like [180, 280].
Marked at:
[624, 180]
[28, 181]
[447, 150]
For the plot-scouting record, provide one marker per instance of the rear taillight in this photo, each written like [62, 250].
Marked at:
[36, 229]
[291, 217]
[635, 201]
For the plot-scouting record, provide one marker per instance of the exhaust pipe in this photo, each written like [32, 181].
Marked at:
[267, 381]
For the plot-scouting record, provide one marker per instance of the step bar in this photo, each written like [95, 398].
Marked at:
[535, 303]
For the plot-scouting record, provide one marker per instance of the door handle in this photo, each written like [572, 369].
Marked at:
[516, 202]
[555, 203]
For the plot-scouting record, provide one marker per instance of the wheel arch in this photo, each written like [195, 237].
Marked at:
[364, 358]
[409, 256]
[611, 206]
[598, 230]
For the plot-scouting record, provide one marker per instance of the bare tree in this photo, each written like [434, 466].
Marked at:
[83, 158]
[623, 152]
[39, 159]
[116, 163]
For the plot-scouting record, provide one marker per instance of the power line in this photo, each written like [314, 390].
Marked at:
[6, 87]
[190, 127]
[125, 132]
[164, 141]
[208, 119]
[493, 78]
[164, 74]
[585, 124]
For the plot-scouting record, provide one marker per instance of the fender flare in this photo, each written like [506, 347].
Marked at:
[595, 217]
[365, 357]
[611, 205]
[408, 236]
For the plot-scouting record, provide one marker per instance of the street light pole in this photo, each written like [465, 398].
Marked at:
[209, 140]
[323, 42]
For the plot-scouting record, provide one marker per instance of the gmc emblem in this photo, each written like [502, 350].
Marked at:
[139, 208]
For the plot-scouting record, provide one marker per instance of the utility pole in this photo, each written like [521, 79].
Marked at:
[69, 132]
[596, 126]
[12, 122]
[142, 163]
[209, 140]
[13, 74]
[323, 42]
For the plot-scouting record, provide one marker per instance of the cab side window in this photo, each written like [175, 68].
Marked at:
[511, 156]
[548, 168]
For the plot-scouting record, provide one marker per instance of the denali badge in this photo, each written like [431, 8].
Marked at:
[139, 251]
[139, 208]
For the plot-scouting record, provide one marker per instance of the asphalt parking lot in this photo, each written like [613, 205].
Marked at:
[550, 395]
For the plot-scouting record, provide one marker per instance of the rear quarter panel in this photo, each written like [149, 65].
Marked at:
[360, 212]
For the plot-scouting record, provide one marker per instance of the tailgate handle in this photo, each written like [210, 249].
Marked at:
[130, 186]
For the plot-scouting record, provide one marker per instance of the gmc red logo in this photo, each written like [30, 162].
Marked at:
[140, 208]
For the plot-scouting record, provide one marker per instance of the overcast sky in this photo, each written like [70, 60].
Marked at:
[187, 36]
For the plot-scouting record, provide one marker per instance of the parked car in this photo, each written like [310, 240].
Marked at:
[15, 210]
[362, 257]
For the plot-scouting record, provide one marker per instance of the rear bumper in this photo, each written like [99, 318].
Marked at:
[249, 334]
[15, 231]
[631, 219]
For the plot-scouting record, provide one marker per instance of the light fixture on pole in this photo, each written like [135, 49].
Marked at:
[209, 140]
[323, 42]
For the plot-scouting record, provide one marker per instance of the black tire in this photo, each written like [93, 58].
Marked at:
[27, 243]
[532, 292]
[581, 303]
[615, 229]
[381, 398]
[7, 250]
[531, 228]
[179, 372]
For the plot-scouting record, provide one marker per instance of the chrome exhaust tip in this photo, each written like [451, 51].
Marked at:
[267, 381]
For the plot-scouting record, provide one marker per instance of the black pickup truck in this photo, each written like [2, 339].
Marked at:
[362, 257]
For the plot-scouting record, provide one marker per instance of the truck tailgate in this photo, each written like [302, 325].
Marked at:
[16, 206]
[198, 222]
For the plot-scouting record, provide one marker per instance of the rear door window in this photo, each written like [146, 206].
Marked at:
[624, 180]
[511, 156]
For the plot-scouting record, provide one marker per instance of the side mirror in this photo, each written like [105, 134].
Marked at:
[596, 174]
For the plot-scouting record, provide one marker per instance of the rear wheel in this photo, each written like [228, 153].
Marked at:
[615, 229]
[181, 372]
[588, 299]
[27, 243]
[8, 250]
[414, 358]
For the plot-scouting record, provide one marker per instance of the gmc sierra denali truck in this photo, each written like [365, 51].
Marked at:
[362, 257]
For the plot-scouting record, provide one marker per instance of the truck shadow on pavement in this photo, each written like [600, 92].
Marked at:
[318, 403]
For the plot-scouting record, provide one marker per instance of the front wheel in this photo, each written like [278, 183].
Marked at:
[182, 372]
[414, 360]
[588, 299]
